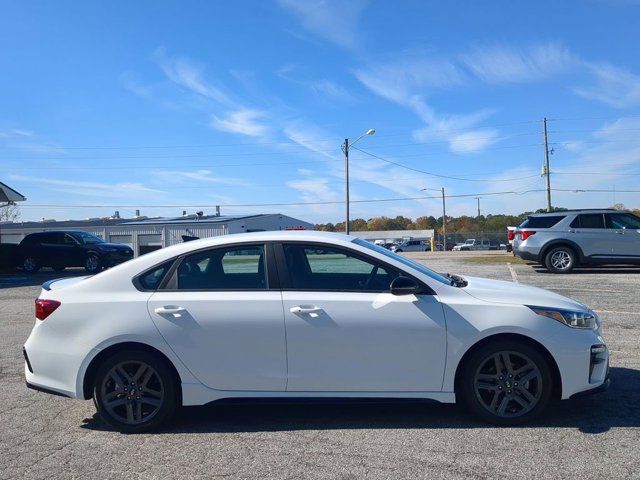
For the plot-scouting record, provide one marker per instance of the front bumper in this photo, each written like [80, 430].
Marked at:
[592, 391]
[112, 259]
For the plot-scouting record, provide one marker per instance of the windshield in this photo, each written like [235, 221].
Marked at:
[399, 258]
[87, 238]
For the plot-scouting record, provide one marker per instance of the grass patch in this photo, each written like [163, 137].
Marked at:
[502, 259]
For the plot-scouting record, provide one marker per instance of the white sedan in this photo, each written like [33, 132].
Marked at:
[305, 314]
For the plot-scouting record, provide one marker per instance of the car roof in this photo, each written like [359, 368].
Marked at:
[576, 210]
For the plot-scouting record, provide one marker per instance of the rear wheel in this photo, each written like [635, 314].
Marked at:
[135, 391]
[31, 265]
[560, 259]
[506, 382]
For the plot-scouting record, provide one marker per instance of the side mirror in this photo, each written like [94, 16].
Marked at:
[404, 286]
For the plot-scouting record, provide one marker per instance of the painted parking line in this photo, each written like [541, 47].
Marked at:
[514, 275]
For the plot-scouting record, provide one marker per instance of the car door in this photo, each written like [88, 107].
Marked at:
[347, 333]
[221, 312]
[624, 231]
[72, 252]
[590, 235]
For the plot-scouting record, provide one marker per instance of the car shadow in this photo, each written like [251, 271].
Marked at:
[18, 278]
[590, 414]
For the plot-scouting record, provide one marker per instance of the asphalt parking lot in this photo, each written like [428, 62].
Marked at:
[592, 437]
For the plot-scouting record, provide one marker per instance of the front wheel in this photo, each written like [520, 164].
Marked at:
[506, 382]
[560, 260]
[92, 264]
[135, 392]
[398, 250]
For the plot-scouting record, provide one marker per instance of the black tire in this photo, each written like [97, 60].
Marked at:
[560, 259]
[398, 250]
[31, 264]
[480, 401]
[93, 263]
[58, 269]
[115, 401]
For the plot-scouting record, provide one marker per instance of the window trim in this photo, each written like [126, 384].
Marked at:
[285, 278]
[170, 282]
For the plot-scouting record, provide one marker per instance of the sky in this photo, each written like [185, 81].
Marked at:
[172, 106]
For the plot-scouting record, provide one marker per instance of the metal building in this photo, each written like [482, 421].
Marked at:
[146, 234]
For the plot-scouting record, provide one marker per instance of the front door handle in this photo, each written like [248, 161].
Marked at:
[170, 310]
[305, 310]
[620, 232]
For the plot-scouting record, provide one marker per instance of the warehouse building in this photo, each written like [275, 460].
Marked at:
[145, 234]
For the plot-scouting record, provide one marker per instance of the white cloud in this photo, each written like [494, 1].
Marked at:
[404, 83]
[91, 189]
[244, 122]
[500, 64]
[333, 20]
[204, 176]
[188, 75]
[312, 138]
[15, 133]
[612, 85]
[330, 89]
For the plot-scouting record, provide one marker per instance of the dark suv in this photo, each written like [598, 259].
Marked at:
[63, 249]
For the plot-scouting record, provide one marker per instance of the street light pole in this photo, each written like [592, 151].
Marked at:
[345, 148]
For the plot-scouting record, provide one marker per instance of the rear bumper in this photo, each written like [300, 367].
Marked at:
[525, 255]
[38, 388]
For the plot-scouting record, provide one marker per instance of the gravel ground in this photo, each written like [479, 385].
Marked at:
[48, 437]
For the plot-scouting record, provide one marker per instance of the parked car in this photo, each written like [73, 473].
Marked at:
[473, 244]
[450, 246]
[562, 240]
[61, 249]
[198, 322]
[511, 233]
[411, 246]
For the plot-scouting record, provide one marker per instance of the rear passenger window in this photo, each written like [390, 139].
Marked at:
[151, 280]
[588, 220]
[232, 268]
[541, 222]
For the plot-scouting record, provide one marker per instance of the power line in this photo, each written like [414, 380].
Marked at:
[438, 175]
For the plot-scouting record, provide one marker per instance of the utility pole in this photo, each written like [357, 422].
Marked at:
[478, 199]
[345, 149]
[444, 223]
[547, 171]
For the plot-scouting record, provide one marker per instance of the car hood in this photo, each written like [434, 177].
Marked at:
[118, 246]
[498, 291]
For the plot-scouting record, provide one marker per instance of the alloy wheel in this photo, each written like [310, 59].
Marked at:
[92, 263]
[508, 384]
[132, 392]
[561, 260]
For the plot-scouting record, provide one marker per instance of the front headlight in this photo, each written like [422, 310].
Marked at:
[571, 318]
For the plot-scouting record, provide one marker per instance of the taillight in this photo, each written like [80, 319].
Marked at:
[44, 308]
[511, 234]
[526, 234]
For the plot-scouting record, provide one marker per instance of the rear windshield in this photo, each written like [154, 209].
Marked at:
[541, 222]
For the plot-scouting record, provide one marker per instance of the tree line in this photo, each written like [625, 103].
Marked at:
[464, 223]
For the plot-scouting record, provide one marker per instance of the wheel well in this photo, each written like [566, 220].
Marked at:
[555, 372]
[570, 245]
[89, 376]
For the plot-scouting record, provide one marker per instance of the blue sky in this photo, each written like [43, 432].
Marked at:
[188, 104]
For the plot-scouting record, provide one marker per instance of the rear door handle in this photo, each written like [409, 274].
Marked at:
[305, 310]
[170, 310]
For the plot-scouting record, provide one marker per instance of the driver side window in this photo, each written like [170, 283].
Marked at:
[321, 268]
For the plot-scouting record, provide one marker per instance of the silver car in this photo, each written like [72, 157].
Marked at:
[562, 240]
